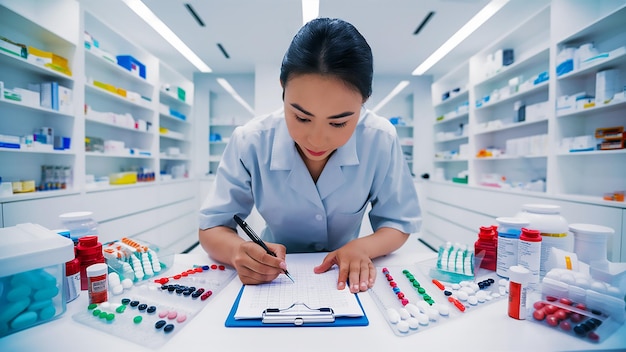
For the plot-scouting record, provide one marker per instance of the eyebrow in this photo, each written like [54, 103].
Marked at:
[338, 116]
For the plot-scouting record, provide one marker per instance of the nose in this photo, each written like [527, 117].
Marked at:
[316, 136]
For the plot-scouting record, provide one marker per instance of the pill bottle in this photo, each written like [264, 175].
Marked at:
[71, 285]
[590, 244]
[79, 224]
[553, 228]
[486, 247]
[88, 252]
[518, 287]
[529, 255]
[97, 283]
[509, 230]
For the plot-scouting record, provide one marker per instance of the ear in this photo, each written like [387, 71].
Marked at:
[282, 84]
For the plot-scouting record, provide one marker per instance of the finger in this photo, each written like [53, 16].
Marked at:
[353, 278]
[372, 276]
[364, 277]
[326, 264]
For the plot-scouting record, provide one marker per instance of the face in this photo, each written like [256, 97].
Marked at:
[321, 114]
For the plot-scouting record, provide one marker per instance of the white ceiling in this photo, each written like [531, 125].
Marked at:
[258, 32]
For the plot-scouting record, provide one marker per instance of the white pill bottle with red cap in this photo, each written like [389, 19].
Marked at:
[553, 228]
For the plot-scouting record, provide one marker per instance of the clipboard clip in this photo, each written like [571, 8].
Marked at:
[298, 314]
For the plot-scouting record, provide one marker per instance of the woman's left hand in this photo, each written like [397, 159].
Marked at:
[355, 267]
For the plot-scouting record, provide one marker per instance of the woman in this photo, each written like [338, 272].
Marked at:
[312, 170]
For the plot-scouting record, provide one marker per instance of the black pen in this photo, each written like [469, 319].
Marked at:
[256, 239]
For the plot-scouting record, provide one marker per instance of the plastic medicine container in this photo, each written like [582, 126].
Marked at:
[80, 224]
[32, 272]
[553, 228]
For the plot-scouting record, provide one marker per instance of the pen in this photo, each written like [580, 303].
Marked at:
[256, 239]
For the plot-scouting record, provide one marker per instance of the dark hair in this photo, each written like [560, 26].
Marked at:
[330, 46]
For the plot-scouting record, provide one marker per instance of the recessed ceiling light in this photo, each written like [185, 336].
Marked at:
[478, 20]
[155, 22]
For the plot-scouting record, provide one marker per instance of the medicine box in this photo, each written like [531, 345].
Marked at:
[131, 64]
[32, 270]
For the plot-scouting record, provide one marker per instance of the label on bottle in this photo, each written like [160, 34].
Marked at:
[507, 255]
[517, 301]
[529, 256]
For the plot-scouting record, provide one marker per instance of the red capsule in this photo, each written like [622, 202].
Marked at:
[221, 267]
[539, 314]
[566, 301]
[214, 266]
[206, 295]
[438, 284]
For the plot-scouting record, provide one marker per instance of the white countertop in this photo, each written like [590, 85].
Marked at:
[488, 328]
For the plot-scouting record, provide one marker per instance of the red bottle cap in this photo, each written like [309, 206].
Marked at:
[530, 235]
[88, 246]
[486, 233]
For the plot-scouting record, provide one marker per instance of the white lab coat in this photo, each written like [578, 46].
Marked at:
[261, 167]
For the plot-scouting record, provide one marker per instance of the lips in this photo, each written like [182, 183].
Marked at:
[315, 153]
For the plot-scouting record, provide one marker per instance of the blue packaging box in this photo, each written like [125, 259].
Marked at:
[132, 65]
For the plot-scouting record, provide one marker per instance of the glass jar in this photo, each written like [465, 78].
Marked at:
[79, 224]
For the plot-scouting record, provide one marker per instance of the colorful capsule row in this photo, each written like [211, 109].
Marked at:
[418, 287]
[196, 269]
[395, 288]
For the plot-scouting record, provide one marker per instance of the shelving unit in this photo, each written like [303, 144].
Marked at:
[127, 107]
[175, 124]
[225, 115]
[499, 184]
[24, 118]
[161, 212]
[450, 132]
[607, 35]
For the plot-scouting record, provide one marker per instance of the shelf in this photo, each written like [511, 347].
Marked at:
[610, 23]
[91, 120]
[509, 157]
[511, 126]
[37, 195]
[117, 97]
[115, 68]
[538, 56]
[182, 139]
[31, 107]
[451, 139]
[458, 98]
[598, 66]
[178, 158]
[110, 155]
[23, 64]
[594, 152]
[601, 108]
[173, 118]
[38, 151]
[451, 119]
[450, 160]
[109, 187]
[539, 87]
[172, 99]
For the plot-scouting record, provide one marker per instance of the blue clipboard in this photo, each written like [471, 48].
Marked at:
[318, 317]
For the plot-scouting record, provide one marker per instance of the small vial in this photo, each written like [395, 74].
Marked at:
[518, 277]
[97, 282]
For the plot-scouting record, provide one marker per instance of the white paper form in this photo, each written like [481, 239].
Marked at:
[314, 290]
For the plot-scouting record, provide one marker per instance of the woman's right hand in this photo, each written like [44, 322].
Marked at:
[255, 266]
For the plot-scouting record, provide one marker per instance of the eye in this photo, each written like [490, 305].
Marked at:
[300, 119]
[339, 125]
